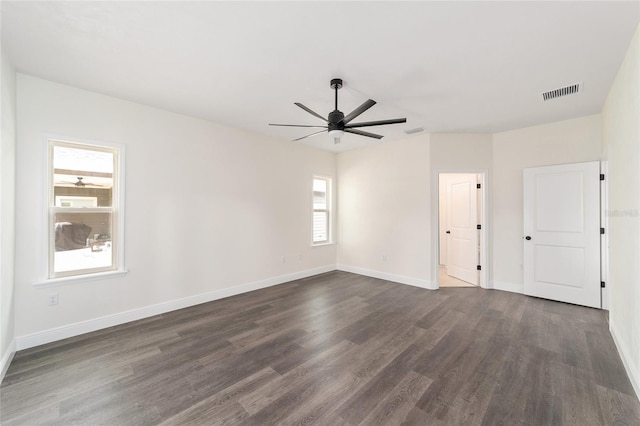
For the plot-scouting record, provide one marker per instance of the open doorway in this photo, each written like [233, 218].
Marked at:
[460, 229]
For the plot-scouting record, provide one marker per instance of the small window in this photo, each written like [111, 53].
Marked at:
[321, 210]
[84, 210]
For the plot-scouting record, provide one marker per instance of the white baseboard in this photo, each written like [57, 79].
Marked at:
[505, 286]
[6, 359]
[625, 355]
[416, 282]
[59, 333]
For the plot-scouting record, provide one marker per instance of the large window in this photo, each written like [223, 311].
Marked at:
[84, 209]
[321, 210]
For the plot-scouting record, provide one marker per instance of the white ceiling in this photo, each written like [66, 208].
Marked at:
[446, 66]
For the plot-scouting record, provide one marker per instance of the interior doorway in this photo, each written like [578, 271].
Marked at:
[461, 213]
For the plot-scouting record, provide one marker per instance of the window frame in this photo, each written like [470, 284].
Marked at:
[116, 211]
[328, 210]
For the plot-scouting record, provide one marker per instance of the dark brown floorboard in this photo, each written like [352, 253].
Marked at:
[334, 349]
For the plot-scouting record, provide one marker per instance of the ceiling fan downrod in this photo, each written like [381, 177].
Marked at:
[336, 84]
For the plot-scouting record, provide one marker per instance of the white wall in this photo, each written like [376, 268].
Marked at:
[570, 141]
[381, 185]
[388, 197]
[384, 215]
[7, 209]
[621, 145]
[208, 208]
[461, 152]
[464, 152]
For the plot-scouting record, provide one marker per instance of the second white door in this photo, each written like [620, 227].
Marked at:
[462, 231]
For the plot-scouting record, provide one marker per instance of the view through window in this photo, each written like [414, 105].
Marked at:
[321, 190]
[82, 209]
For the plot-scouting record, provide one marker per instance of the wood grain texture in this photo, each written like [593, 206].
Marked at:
[334, 349]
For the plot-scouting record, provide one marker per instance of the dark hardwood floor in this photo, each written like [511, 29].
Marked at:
[335, 349]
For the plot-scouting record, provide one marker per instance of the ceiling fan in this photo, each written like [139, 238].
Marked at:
[338, 123]
[80, 183]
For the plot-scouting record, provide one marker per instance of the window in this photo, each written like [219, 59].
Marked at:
[321, 212]
[84, 211]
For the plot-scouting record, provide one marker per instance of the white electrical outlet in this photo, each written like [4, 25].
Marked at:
[284, 259]
[52, 299]
[384, 257]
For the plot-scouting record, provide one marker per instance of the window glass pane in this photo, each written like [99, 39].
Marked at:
[320, 185]
[82, 241]
[319, 194]
[80, 174]
[320, 227]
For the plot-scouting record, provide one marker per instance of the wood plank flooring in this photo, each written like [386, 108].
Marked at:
[335, 349]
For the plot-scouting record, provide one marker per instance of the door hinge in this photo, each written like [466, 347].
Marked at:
[478, 186]
[479, 227]
[602, 284]
[602, 231]
[601, 176]
[479, 268]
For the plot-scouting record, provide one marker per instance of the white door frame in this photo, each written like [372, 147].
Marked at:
[485, 258]
[604, 238]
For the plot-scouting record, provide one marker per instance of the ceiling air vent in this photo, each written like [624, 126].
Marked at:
[416, 130]
[563, 91]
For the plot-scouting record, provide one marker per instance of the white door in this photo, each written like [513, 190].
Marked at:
[562, 233]
[462, 231]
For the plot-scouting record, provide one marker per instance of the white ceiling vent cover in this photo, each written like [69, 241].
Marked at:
[416, 130]
[563, 91]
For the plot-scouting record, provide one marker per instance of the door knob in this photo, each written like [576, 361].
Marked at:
[448, 232]
[527, 238]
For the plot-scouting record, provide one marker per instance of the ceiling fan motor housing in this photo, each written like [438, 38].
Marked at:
[336, 120]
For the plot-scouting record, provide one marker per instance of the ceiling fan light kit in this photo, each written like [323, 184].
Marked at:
[336, 135]
[338, 123]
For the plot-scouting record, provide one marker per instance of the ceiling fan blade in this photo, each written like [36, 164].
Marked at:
[356, 112]
[312, 134]
[312, 112]
[296, 125]
[361, 133]
[376, 123]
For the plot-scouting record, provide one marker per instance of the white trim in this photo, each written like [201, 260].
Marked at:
[625, 355]
[7, 357]
[511, 287]
[604, 238]
[75, 279]
[60, 198]
[59, 333]
[323, 244]
[416, 282]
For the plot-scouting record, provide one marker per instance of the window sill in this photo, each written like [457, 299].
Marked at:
[54, 282]
[330, 243]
